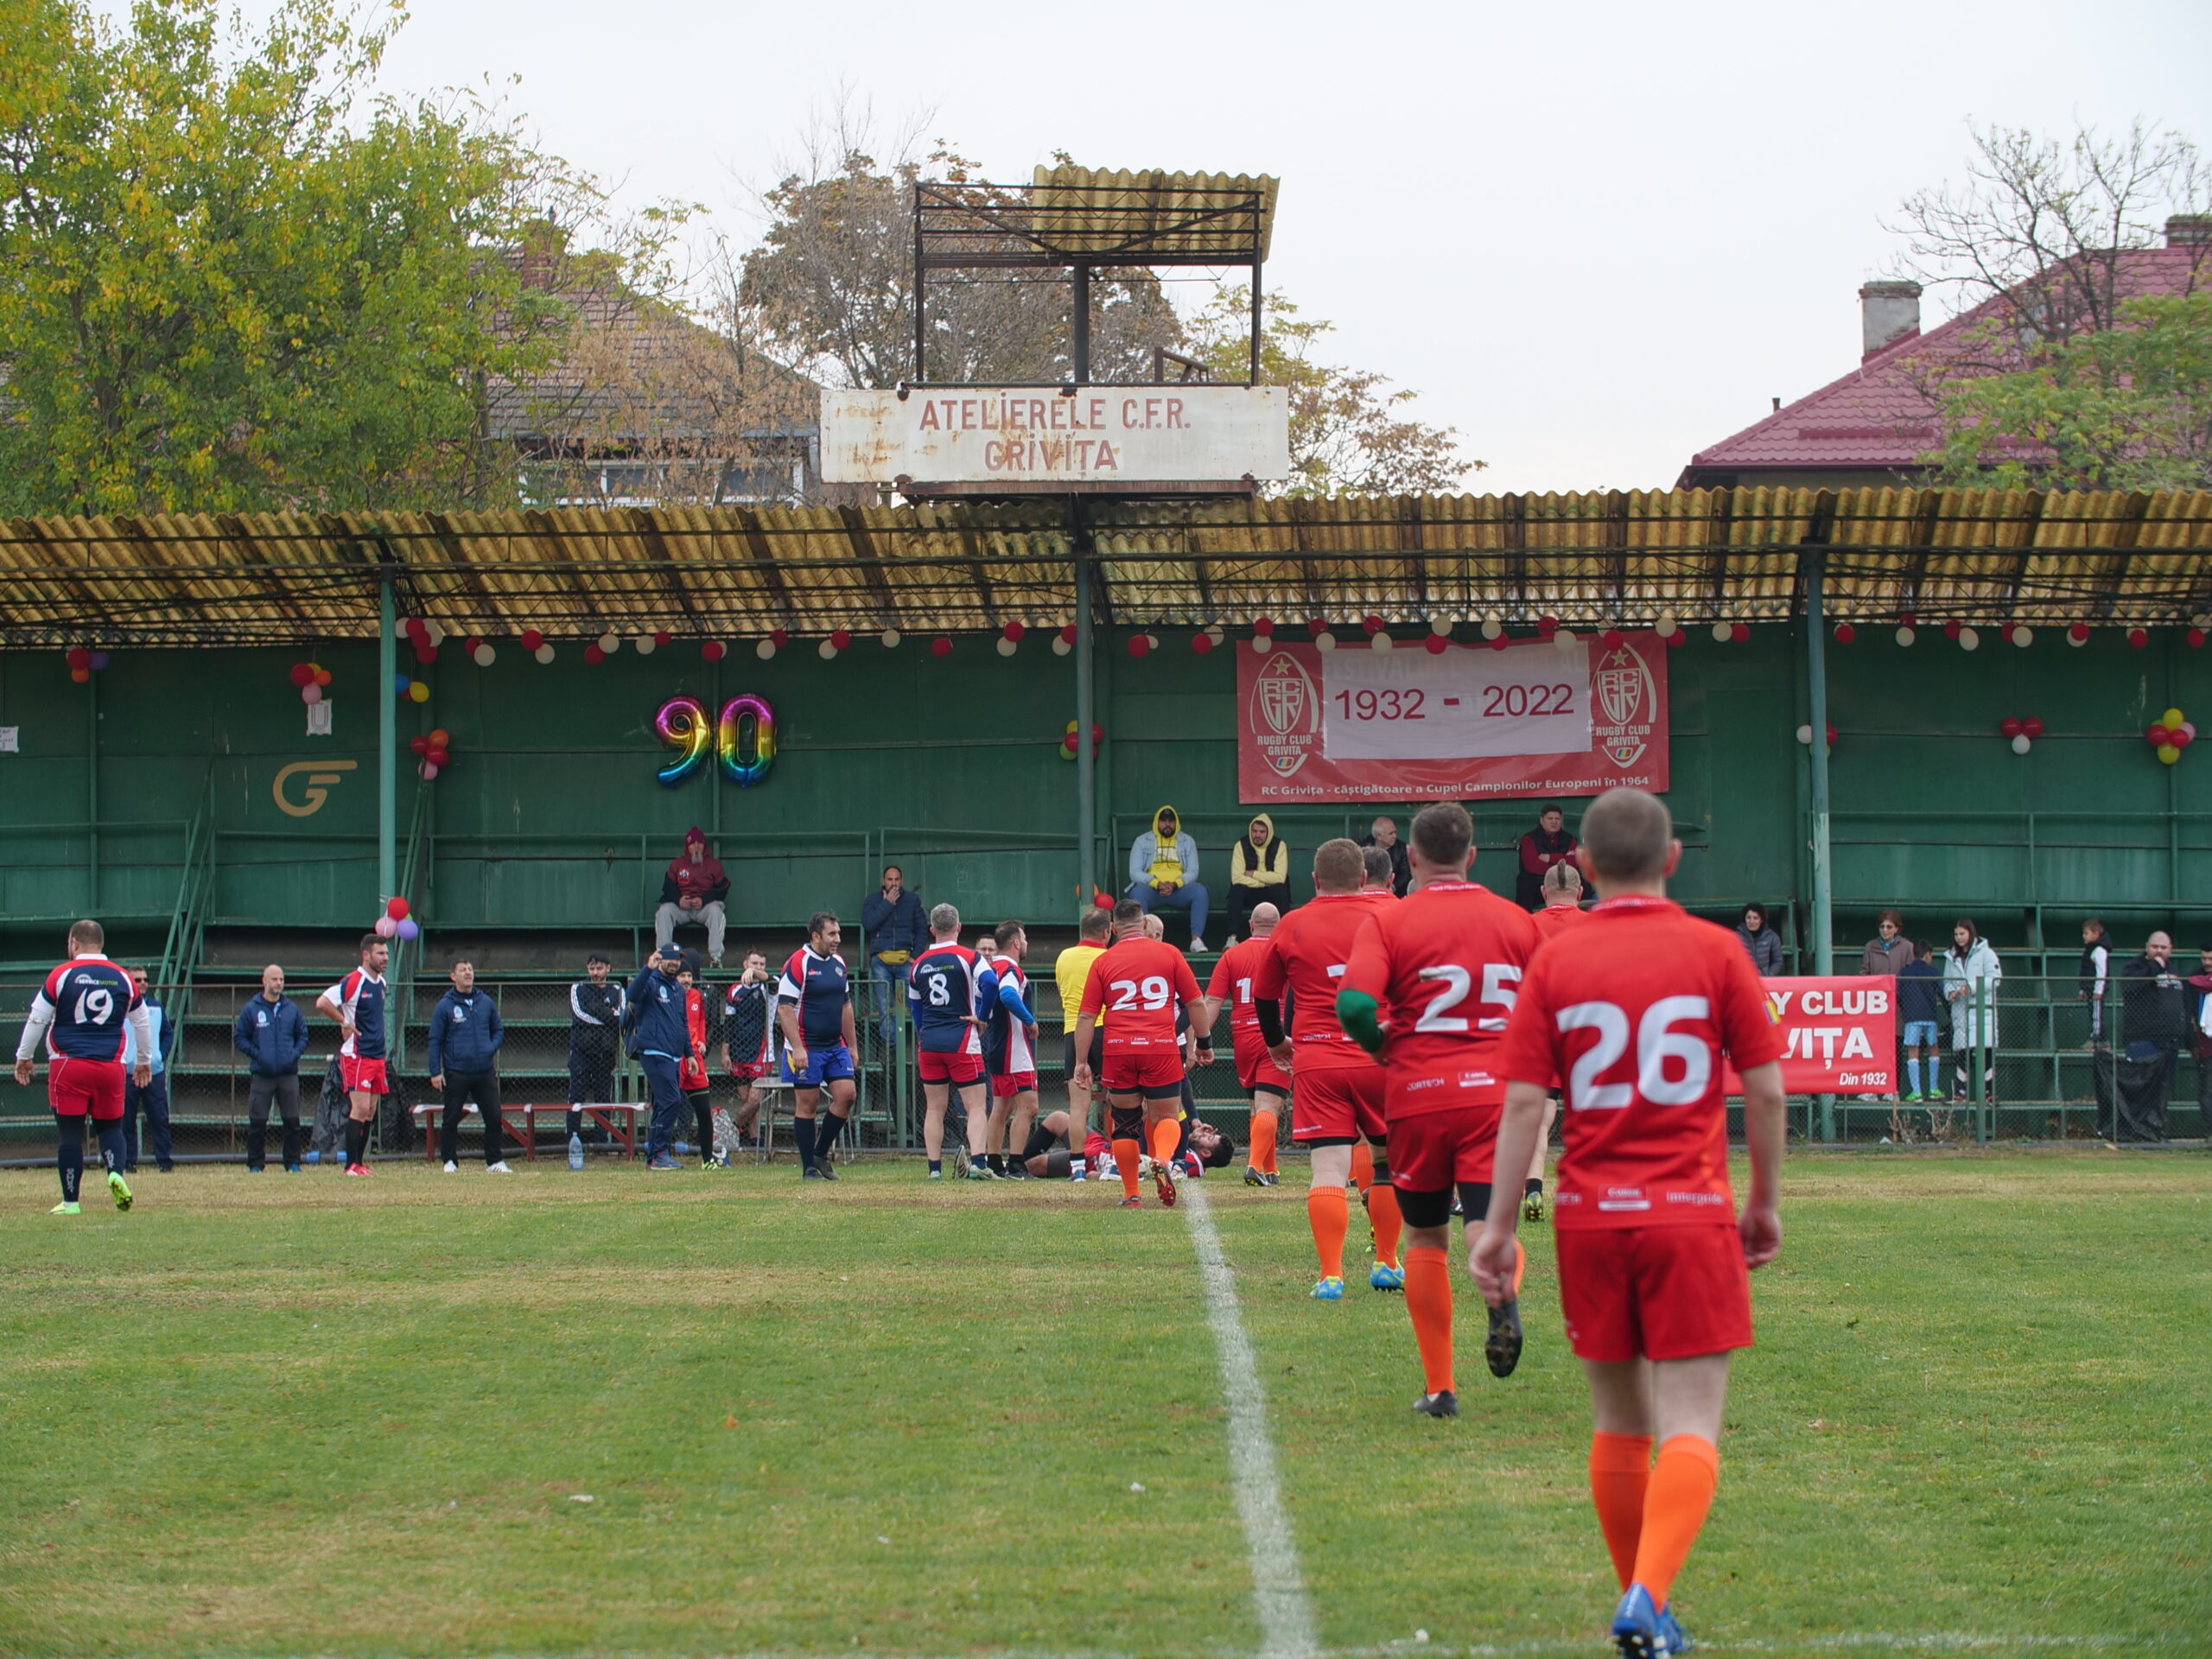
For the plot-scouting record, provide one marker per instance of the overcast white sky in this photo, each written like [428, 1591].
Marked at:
[1595, 238]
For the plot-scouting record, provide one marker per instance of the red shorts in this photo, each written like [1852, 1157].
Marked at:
[1005, 1085]
[74, 1087]
[1257, 1069]
[951, 1068]
[1155, 1071]
[1653, 1293]
[1339, 1103]
[362, 1077]
[1433, 1152]
[748, 1070]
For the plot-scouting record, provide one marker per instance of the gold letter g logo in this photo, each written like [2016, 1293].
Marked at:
[319, 773]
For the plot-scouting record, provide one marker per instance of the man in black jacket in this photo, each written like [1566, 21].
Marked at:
[1383, 833]
[272, 1034]
[465, 1038]
[2153, 1025]
[595, 1026]
[896, 931]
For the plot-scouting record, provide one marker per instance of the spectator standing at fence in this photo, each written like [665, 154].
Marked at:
[464, 1057]
[1971, 977]
[1164, 873]
[272, 1034]
[1383, 833]
[153, 1100]
[895, 928]
[748, 1011]
[2154, 1024]
[1920, 1012]
[694, 889]
[594, 1023]
[1259, 873]
[1888, 950]
[652, 1016]
[1070, 969]
[1757, 931]
[1548, 844]
[2093, 976]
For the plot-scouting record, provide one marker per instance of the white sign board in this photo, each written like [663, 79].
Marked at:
[1092, 435]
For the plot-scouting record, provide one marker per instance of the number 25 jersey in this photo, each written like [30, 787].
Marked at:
[1140, 982]
[1630, 1023]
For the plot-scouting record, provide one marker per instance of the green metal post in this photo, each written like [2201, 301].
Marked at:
[92, 794]
[1816, 697]
[387, 744]
[1086, 758]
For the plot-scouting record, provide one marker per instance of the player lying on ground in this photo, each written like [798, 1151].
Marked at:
[1652, 1258]
[80, 1012]
[1047, 1156]
[1142, 982]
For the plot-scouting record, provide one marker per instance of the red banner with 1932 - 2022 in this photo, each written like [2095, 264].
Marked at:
[1533, 718]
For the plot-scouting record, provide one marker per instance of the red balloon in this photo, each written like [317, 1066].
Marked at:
[782, 637]
[425, 654]
[714, 651]
[395, 907]
[2012, 726]
[1316, 625]
[2157, 736]
[2138, 638]
[662, 636]
[2195, 638]
[301, 672]
[1138, 646]
[1548, 625]
[1373, 624]
[1951, 629]
[532, 639]
[942, 645]
[418, 746]
[1436, 645]
[1202, 643]
[1676, 638]
[2032, 726]
[417, 628]
[1845, 634]
[439, 757]
[1739, 632]
[470, 643]
[1263, 626]
[1013, 631]
[593, 655]
[2078, 631]
[1831, 731]
[2180, 737]
[840, 637]
[1613, 638]
[79, 658]
[1068, 633]
[1498, 644]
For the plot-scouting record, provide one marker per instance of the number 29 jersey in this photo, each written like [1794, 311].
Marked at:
[89, 998]
[1140, 982]
[1444, 966]
[1630, 1024]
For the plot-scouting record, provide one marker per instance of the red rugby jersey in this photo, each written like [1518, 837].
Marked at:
[1310, 948]
[1555, 919]
[1231, 984]
[1140, 982]
[1633, 1022]
[1444, 966]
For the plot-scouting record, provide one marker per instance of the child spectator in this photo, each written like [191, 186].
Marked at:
[1920, 1004]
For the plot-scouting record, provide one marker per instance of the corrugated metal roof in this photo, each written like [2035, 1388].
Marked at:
[1202, 215]
[1594, 558]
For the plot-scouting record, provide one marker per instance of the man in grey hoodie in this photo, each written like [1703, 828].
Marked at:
[1164, 873]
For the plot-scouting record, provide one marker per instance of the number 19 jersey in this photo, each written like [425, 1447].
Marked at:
[1310, 948]
[89, 1000]
[1140, 982]
[1444, 966]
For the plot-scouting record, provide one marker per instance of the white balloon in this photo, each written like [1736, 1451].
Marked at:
[1720, 632]
[1007, 647]
[1666, 624]
[2024, 636]
[436, 635]
[764, 650]
[610, 643]
[2021, 745]
[2071, 640]
[890, 637]
[643, 644]
[1969, 639]
[1805, 735]
[1379, 641]
[1262, 644]
[1324, 641]
[826, 651]
[1060, 647]
[1439, 625]
[1906, 636]
[544, 653]
[485, 656]
[1564, 639]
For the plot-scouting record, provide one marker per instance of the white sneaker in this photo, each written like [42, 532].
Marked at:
[499, 1168]
[1198, 945]
[451, 1169]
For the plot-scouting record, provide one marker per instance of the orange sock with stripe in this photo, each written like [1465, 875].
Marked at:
[1126, 1154]
[1165, 1133]
[1520, 1266]
[1620, 1468]
[1328, 1212]
[1362, 1166]
[1382, 1216]
[1428, 1298]
[1263, 1142]
[1675, 1508]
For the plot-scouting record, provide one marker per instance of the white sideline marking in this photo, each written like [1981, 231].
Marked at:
[1278, 1588]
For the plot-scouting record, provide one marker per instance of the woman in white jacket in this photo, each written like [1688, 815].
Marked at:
[1971, 976]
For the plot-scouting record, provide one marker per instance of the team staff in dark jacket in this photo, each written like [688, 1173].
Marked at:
[659, 1030]
[595, 1026]
[2154, 1026]
[464, 1049]
[272, 1034]
[896, 931]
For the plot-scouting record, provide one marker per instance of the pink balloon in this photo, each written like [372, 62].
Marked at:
[386, 927]
[310, 693]
[430, 770]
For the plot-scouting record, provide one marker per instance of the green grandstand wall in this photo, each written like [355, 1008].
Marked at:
[550, 814]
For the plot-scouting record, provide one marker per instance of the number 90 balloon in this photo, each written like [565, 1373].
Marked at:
[730, 740]
[683, 724]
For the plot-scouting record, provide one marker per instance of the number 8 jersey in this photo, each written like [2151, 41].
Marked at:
[82, 1007]
[1629, 1018]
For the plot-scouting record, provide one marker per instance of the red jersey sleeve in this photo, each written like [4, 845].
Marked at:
[1094, 987]
[1368, 968]
[1222, 982]
[1187, 982]
[1529, 1054]
[1267, 984]
[1747, 1027]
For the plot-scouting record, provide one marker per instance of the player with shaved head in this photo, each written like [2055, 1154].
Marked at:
[1266, 1084]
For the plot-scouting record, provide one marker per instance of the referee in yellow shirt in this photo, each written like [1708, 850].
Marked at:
[1070, 970]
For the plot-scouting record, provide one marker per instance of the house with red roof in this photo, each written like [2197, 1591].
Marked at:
[1875, 425]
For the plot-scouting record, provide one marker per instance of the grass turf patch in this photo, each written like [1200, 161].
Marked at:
[299, 1415]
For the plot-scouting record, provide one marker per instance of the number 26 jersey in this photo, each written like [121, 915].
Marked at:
[1140, 982]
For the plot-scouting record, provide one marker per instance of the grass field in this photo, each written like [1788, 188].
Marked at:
[300, 1415]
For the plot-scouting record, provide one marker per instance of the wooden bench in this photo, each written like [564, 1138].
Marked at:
[618, 1118]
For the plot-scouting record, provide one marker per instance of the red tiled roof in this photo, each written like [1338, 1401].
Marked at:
[1879, 415]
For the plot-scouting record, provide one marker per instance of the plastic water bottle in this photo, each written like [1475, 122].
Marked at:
[576, 1152]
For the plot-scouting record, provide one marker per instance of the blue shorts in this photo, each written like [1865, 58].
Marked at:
[823, 1065]
[1922, 1033]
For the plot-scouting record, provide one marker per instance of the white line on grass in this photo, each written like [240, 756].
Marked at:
[1278, 1588]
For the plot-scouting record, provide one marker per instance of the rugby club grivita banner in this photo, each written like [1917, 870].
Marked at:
[1469, 720]
[1838, 1034]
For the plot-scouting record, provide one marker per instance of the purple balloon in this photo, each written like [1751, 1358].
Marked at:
[99, 660]
[408, 928]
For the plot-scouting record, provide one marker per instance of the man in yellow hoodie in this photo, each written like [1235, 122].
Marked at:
[1164, 873]
[1259, 873]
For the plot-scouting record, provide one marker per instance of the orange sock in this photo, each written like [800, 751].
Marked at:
[1620, 1468]
[1362, 1166]
[1126, 1154]
[1675, 1506]
[1263, 1142]
[1382, 1216]
[1428, 1298]
[1521, 1266]
[1328, 1212]
[1165, 1133]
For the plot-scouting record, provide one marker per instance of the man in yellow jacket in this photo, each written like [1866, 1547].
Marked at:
[1259, 873]
[1164, 873]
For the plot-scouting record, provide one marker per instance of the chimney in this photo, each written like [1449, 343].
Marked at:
[2188, 231]
[1889, 312]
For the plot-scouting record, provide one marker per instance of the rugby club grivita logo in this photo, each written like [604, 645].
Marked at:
[1285, 716]
[1627, 705]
